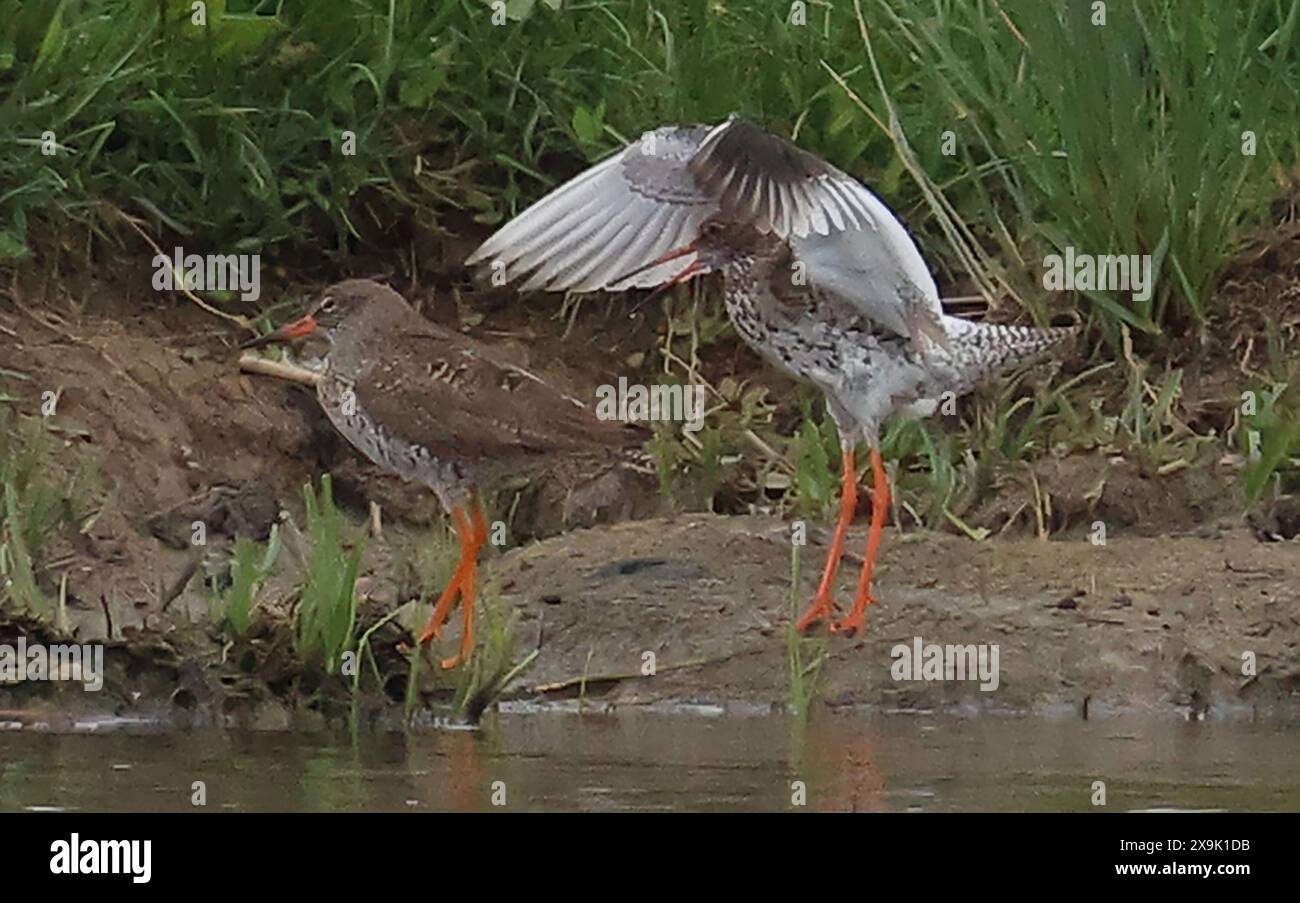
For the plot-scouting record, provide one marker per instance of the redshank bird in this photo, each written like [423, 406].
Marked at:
[432, 406]
[818, 277]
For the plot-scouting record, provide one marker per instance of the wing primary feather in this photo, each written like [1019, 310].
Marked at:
[552, 244]
[851, 215]
[582, 275]
[543, 213]
[525, 249]
[788, 210]
[865, 203]
[579, 244]
[832, 208]
[816, 215]
[770, 189]
[639, 251]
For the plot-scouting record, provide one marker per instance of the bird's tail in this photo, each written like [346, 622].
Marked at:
[979, 350]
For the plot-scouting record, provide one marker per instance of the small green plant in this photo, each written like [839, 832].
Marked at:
[691, 467]
[427, 567]
[817, 466]
[38, 499]
[493, 665]
[17, 570]
[327, 609]
[944, 479]
[1269, 437]
[804, 674]
[250, 565]
[365, 653]
[425, 572]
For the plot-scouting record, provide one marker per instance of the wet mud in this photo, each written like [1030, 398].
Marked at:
[1158, 620]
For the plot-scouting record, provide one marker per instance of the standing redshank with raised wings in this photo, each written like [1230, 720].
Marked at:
[431, 406]
[819, 277]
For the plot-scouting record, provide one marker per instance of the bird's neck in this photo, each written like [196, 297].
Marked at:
[762, 265]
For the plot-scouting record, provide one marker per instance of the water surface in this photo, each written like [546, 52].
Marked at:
[642, 761]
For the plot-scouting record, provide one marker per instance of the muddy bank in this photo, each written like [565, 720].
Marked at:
[1142, 625]
[1150, 626]
[149, 394]
[1156, 622]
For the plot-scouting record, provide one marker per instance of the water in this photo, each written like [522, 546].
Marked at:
[640, 761]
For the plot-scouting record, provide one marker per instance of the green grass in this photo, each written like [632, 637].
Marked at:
[250, 565]
[325, 620]
[1120, 138]
[806, 655]
[1124, 138]
[39, 500]
[477, 683]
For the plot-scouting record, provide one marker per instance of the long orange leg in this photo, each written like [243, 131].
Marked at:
[472, 537]
[857, 619]
[467, 594]
[467, 558]
[823, 606]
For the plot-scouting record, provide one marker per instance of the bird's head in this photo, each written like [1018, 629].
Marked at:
[723, 245]
[343, 306]
[720, 246]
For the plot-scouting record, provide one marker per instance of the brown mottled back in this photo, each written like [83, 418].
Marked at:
[442, 392]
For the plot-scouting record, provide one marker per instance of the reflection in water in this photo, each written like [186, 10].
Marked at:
[668, 762]
[469, 782]
[855, 783]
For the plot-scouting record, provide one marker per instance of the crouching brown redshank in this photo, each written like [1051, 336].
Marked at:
[435, 408]
[819, 277]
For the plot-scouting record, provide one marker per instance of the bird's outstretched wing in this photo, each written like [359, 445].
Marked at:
[652, 197]
[760, 178]
[616, 217]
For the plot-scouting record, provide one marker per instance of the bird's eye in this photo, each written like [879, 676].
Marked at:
[328, 306]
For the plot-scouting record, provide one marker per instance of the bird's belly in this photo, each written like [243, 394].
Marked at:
[884, 379]
[385, 446]
[869, 375]
[799, 352]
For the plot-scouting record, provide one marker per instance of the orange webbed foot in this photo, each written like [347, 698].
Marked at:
[856, 621]
[823, 608]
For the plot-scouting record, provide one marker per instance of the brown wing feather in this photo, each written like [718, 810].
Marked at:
[439, 389]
